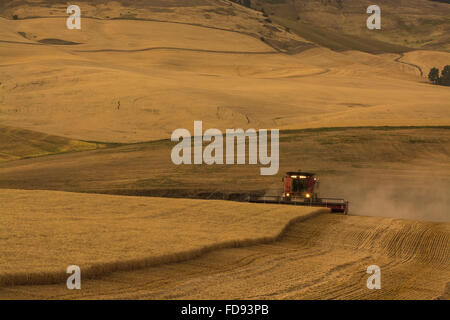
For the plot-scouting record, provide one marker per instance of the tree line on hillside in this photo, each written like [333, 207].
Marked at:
[443, 79]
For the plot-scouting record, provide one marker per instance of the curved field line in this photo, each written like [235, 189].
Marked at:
[401, 55]
[101, 269]
[249, 34]
[178, 49]
[318, 73]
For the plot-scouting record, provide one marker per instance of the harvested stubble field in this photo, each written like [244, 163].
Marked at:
[323, 257]
[89, 113]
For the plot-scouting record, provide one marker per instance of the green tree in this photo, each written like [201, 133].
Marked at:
[445, 76]
[433, 76]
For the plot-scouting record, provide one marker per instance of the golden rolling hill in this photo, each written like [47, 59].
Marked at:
[124, 79]
[92, 111]
[341, 24]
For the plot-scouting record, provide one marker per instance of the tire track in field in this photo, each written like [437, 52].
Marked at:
[401, 55]
[177, 49]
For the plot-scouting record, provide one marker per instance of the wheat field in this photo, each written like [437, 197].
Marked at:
[86, 177]
[125, 79]
[322, 257]
[43, 232]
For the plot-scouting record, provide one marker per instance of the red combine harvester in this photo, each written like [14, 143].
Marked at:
[302, 189]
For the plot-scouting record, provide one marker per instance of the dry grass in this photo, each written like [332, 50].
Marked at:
[19, 144]
[44, 232]
[135, 73]
[213, 14]
[427, 59]
[395, 163]
[324, 257]
[342, 24]
[127, 79]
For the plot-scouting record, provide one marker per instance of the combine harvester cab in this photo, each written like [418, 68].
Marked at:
[302, 188]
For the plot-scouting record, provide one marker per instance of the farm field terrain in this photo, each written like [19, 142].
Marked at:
[86, 175]
[323, 257]
[45, 231]
[340, 24]
[123, 80]
[354, 163]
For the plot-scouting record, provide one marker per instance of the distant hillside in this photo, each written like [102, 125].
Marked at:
[335, 24]
[18, 143]
[216, 14]
[341, 24]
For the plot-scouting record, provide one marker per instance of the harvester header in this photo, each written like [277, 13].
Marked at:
[302, 188]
